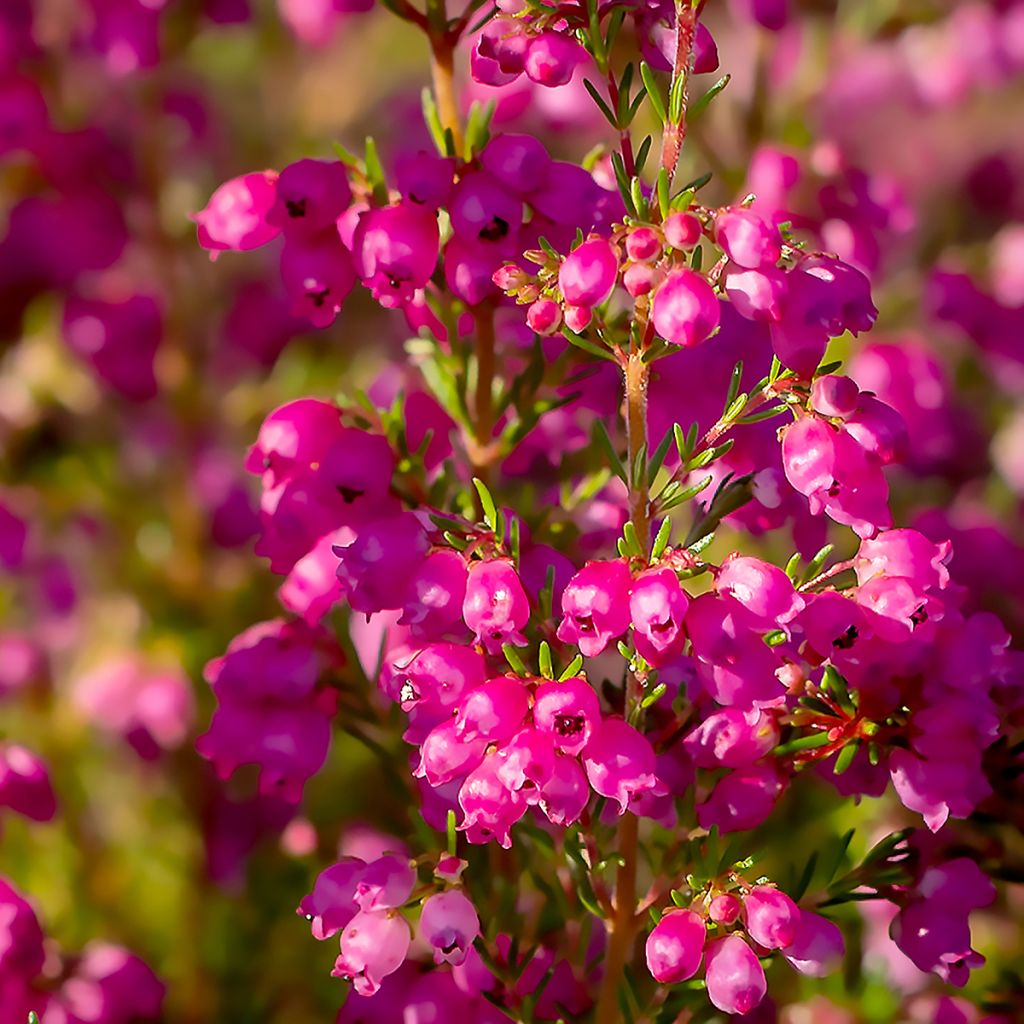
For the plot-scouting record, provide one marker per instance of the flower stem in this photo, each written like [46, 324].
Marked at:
[442, 69]
[621, 926]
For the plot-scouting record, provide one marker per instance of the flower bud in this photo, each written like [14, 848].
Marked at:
[734, 976]
[643, 244]
[771, 917]
[686, 309]
[544, 316]
[682, 230]
[675, 947]
[551, 58]
[833, 395]
[587, 275]
[724, 908]
[747, 239]
[577, 318]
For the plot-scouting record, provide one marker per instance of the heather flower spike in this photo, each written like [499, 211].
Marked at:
[629, 508]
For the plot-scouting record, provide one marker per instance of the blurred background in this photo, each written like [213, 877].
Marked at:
[134, 374]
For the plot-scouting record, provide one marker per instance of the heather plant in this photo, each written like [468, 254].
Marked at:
[670, 712]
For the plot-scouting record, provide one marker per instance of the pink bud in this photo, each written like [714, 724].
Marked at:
[675, 947]
[724, 908]
[544, 316]
[445, 756]
[643, 244]
[577, 318]
[747, 239]
[551, 58]
[587, 276]
[833, 395]
[682, 230]
[641, 279]
[734, 975]
[686, 309]
[772, 918]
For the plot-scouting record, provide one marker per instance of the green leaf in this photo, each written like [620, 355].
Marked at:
[623, 182]
[663, 193]
[452, 833]
[631, 540]
[764, 414]
[596, 96]
[487, 504]
[804, 881]
[432, 119]
[809, 742]
[793, 567]
[514, 661]
[676, 97]
[709, 455]
[700, 105]
[653, 92]
[599, 436]
[375, 172]
[547, 670]
[642, 153]
[654, 696]
[588, 346]
[734, 384]
[625, 85]
[674, 494]
[658, 458]
[816, 563]
[698, 183]
[572, 669]
[661, 540]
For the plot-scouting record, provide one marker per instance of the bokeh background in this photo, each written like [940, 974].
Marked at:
[134, 374]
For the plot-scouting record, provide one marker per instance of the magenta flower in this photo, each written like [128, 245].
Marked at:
[552, 57]
[237, 215]
[385, 883]
[595, 606]
[569, 710]
[657, 606]
[311, 196]
[444, 755]
[732, 738]
[495, 607]
[493, 711]
[25, 786]
[818, 946]
[527, 762]
[434, 600]
[675, 946]
[449, 923]
[734, 975]
[620, 763]
[519, 162]
[742, 799]
[374, 944]
[685, 310]
[565, 794]
[394, 250]
[763, 589]
[332, 903]
[317, 275]
[771, 917]
[747, 240]
[489, 807]
[587, 275]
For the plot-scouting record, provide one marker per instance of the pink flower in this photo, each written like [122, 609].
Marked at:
[675, 946]
[449, 923]
[495, 607]
[237, 215]
[620, 763]
[595, 606]
[686, 310]
[735, 978]
[374, 944]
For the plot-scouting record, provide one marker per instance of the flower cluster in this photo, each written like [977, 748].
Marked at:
[104, 983]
